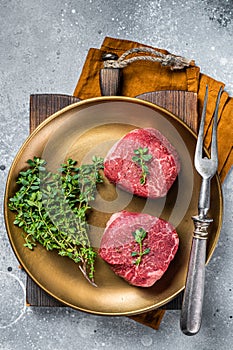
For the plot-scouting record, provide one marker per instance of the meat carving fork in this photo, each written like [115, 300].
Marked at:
[191, 312]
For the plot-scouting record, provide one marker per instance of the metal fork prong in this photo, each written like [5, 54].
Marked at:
[199, 145]
[214, 148]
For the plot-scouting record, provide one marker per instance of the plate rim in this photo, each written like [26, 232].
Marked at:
[37, 130]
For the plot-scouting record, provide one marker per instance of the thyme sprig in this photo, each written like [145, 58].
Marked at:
[51, 209]
[139, 235]
[141, 158]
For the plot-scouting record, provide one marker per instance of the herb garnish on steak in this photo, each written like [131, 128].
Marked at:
[141, 158]
[139, 236]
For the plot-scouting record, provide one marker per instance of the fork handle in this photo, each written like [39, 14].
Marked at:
[204, 197]
[191, 312]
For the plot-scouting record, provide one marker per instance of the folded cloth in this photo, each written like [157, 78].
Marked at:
[145, 76]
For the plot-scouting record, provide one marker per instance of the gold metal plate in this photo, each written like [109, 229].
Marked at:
[90, 128]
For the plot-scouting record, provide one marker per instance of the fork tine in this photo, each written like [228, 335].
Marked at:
[214, 148]
[199, 145]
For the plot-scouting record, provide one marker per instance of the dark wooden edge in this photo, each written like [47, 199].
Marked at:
[44, 105]
[182, 104]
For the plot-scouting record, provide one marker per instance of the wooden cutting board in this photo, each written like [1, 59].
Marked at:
[181, 103]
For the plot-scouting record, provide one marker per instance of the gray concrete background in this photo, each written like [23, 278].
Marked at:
[43, 45]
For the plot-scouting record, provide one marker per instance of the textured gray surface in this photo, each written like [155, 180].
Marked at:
[42, 49]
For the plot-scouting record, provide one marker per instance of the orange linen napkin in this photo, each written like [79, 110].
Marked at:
[145, 76]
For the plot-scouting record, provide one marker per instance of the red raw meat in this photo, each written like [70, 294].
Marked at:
[164, 165]
[118, 243]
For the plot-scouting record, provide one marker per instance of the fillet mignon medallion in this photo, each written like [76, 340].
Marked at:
[140, 260]
[160, 162]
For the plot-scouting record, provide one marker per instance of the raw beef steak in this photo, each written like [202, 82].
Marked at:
[163, 166]
[118, 243]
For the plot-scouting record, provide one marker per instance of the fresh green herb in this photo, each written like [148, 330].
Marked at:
[141, 158]
[51, 209]
[139, 236]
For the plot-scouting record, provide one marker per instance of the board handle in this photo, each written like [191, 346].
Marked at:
[110, 78]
